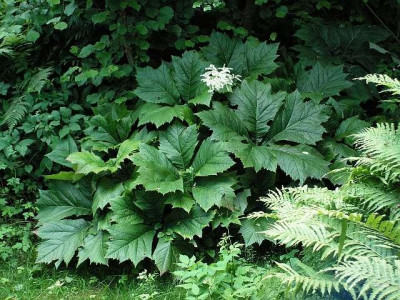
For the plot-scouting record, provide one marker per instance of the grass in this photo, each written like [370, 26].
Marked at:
[21, 278]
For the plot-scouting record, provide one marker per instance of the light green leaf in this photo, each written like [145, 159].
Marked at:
[60, 26]
[32, 35]
[156, 85]
[87, 162]
[100, 17]
[94, 248]
[224, 123]
[225, 218]
[323, 82]
[156, 172]
[203, 99]
[86, 51]
[64, 148]
[107, 191]
[211, 159]
[209, 191]
[64, 175]
[165, 256]
[125, 150]
[252, 229]
[300, 162]
[130, 242]
[60, 240]
[189, 224]
[70, 8]
[187, 74]
[160, 115]
[299, 121]
[178, 144]
[256, 106]
[63, 200]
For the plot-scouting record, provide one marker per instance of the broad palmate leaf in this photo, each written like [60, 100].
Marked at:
[63, 200]
[94, 248]
[165, 255]
[246, 59]
[299, 121]
[211, 159]
[322, 82]
[156, 85]
[301, 161]
[258, 124]
[156, 172]
[178, 144]
[60, 240]
[256, 106]
[187, 72]
[252, 230]
[190, 224]
[209, 191]
[131, 242]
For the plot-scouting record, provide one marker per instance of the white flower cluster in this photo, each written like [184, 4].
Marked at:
[218, 78]
[144, 276]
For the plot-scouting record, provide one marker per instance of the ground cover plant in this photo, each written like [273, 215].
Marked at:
[138, 133]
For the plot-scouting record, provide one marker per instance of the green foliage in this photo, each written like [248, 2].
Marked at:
[322, 82]
[334, 239]
[111, 110]
[227, 278]
[351, 235]
[246, 132]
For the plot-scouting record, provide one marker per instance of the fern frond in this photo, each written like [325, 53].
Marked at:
[381, 148]
[37, 81]
[290, 198]
[371, 278]
[16, 112]
[375, 197]
[369, 244]
[374, 238]
[311, 281]
[393, 85]
[5, 51]
[390, 229]
[314, 235]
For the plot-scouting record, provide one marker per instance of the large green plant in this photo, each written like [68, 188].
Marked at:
[154, 191]
[246, 132]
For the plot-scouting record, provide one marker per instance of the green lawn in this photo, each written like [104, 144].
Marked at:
[21, 278]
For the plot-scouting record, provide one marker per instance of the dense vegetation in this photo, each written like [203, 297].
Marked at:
[139, 136]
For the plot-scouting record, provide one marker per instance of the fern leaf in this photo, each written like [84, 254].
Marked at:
[16, 112]
[375, 197]
[371, 278]
[37, 81]
[381, 148]
[309, 282]
[393, 85]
